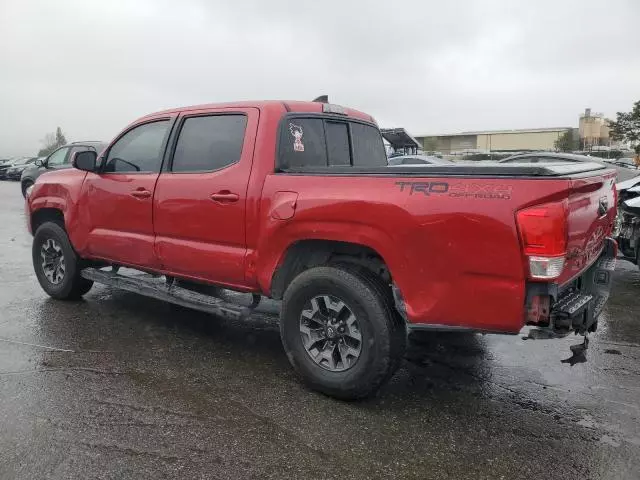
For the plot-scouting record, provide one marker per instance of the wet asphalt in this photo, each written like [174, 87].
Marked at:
[120, 386]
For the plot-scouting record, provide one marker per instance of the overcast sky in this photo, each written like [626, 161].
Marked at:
[92, 66]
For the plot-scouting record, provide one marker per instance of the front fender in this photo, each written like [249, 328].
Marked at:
[60, 190]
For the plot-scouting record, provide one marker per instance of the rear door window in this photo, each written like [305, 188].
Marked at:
[302, 143]
[209, 143]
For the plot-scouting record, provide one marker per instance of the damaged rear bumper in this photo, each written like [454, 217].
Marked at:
[556, 311]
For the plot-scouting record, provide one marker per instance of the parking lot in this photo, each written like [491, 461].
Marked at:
[120, 386]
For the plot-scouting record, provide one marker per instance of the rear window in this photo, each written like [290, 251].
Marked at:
[338, 143]
[302, 143]
[322, 142]
[368, 149]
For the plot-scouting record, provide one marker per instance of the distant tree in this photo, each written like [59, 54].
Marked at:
[430, 144]
[52, 141]
[626, 128]
[566, 142]
[60, 138]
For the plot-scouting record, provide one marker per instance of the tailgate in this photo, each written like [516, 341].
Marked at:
[591, 215]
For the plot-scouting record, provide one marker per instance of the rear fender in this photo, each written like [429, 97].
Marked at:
[274, 246]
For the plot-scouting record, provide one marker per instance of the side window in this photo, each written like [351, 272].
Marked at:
[302, 143]
[338, 143]
[139, 150]
[57, 158]
[209, 143]
[368, 148]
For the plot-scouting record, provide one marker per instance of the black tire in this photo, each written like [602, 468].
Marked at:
[71, 286]
[26, 184]
[382, 330]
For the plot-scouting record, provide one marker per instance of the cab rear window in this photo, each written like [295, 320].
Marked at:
[326, 142]
[302, 143]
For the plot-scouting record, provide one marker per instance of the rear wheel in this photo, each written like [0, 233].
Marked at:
[56, 264]
[26, 184]
[340, 332]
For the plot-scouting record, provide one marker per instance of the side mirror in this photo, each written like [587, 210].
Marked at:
[39, 162]
[85, 160]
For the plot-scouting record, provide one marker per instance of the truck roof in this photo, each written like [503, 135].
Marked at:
[279, 105]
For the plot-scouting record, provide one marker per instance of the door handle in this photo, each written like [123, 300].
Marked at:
[225, 196]
[141, 193]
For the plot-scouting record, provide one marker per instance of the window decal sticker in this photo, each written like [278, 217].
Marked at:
[297, 132]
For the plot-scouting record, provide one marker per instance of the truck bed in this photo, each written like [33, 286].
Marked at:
[449, 233]
[524, 170]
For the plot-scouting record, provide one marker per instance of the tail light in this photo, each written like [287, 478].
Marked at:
[543, 234]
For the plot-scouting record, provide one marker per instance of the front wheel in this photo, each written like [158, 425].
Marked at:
[56, 264]
[340, 331]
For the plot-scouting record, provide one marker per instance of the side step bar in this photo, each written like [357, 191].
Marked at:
[156, 287]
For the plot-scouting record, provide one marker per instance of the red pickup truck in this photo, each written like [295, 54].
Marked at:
[295, 201]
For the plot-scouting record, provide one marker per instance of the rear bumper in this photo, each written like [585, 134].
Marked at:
[574, 307]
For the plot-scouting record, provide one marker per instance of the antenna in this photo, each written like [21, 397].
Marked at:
[322, 99]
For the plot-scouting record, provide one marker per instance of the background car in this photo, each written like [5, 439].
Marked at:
[16, 168]
[58, 159]
[6, 165]
[625, 170]
[624, 162]
[417, 160]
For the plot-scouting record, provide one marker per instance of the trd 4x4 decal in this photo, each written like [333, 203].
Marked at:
[426, 188]
[458, 189]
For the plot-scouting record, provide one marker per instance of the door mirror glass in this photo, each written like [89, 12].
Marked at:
[85, 160]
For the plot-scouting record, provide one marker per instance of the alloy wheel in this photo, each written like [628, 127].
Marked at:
[330, 333]
[53, 265]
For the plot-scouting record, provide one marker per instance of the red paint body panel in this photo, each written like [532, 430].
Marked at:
[586, 233]
[120, 225]
[197, 235]
[439, 249]
[455, 256]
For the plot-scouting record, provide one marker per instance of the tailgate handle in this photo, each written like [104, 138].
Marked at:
[603, 206]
